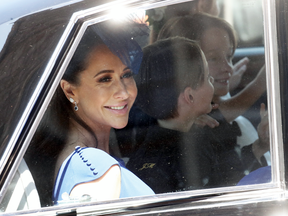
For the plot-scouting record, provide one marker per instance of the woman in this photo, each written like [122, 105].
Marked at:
[217, 40]
[96, 93]
[175, 88]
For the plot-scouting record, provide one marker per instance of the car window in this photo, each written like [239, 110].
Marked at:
[171, 98]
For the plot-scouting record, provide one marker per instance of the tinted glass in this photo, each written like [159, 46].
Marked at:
[199, 119]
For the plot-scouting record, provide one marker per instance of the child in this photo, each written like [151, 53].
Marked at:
[217, 40]
[174, 87]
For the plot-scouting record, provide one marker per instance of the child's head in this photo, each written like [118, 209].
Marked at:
[216, 38]
[168, 67]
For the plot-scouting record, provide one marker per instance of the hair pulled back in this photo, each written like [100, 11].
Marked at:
[51, 135]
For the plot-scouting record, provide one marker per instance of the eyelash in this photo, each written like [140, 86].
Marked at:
[105, 79]
[127, 75]
[212, 59]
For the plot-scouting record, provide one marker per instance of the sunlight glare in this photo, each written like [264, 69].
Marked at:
[121, 13]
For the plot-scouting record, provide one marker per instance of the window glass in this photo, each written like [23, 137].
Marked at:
[163, 96]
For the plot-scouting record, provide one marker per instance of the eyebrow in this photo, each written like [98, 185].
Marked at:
[104, 71]
[108, 71]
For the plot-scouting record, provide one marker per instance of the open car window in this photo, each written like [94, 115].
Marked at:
[192, 130]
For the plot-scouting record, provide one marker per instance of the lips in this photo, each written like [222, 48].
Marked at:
[119, 110]
[117, 107]
[222, 81]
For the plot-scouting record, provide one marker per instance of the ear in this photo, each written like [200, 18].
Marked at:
[69, 90]
[188, 95]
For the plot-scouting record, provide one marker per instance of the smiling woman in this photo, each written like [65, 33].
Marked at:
[106, 90]
[96, 93]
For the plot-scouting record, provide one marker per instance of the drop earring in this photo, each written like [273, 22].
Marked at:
[72, 101]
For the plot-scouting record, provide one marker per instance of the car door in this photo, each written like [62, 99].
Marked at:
[35, 56]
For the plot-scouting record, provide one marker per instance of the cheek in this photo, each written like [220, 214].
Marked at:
[132, 89]
[213, 69]
[211, 89]
[95, 99]
[209, 92]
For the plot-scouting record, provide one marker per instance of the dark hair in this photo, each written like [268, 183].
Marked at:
[168, 67]
[52, 133]
[183, 9]
[60, 109]
[194, 26]
[60, 105]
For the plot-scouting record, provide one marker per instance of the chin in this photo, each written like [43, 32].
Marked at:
[209, 110]
[221, 93]
[119, 125]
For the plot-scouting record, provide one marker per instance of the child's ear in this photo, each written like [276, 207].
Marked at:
[69, 90]
[189, 95]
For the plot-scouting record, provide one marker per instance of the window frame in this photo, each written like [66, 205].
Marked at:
[198, 198]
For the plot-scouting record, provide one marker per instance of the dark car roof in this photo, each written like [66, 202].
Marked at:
[13, 9]
[36, 35]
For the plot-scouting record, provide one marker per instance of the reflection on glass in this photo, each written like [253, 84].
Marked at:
[229, 147]
[173, 138]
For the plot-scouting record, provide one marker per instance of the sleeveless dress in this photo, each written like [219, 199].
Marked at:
[88, 164]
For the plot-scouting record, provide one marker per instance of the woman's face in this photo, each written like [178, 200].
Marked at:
[107, 90]
[216, 45]
[205, 92]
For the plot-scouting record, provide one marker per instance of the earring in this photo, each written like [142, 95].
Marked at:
[72, 101]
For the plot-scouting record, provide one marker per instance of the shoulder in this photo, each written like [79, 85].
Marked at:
[83, 165]
[91, 160]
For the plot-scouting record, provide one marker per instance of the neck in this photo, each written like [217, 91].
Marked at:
[176, 124]
[83, 138]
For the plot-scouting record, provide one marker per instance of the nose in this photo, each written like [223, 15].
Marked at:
[227, 67]
[120, 91]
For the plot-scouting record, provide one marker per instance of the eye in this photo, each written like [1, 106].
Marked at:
[105, 79]
[212, 59]
[128, 74]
